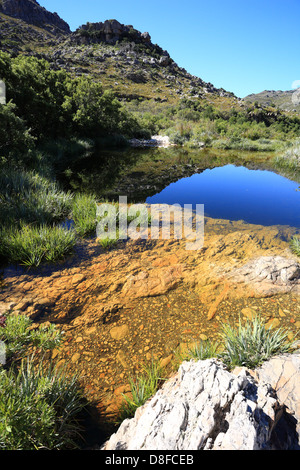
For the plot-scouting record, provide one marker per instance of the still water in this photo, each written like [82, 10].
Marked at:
[237, 193]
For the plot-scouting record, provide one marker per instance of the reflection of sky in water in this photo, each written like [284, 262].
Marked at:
[236, 193]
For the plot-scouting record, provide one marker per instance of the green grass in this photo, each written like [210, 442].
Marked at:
[251, 344]
[17, 334]
[84, 210]
[30, 245]
[295, 245]
[142, 387]
[31, 198]
[199, 351]
[290, 159]
[39, 408]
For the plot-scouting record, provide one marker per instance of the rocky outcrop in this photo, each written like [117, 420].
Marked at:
[31, 12]
[269, 275]
[206, 407]
[110, 31]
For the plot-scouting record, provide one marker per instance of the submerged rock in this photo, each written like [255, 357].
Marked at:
[269, 274]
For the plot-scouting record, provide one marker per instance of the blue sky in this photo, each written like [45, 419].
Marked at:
[244, 46]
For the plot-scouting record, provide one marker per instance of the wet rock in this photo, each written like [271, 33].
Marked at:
[119, 332]
[269, 274]
[155, 282]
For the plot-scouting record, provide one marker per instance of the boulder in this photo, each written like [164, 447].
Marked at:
[269, 275]
[206, 407]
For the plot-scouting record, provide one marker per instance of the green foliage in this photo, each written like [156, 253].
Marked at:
[39, 408]
[295, 245]
[15, 138]
[143, 387]
[31, 245]
[251, 344]
[27, 197]
[84, 209]
[54, 104]
[17, 335]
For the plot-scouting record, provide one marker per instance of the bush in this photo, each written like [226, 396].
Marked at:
[31, 245]
[251, 344]
[295, 245]
[15, 137]
[39, 408]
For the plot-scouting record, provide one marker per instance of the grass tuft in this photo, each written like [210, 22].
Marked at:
[39, 408]
[295, 245]
[251, 344]
[142, 388]
[31, 245]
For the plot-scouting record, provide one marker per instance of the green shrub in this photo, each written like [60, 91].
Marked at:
[295, 245]
[251, 344]
[39, 408]
[15, 138]
[31, 245]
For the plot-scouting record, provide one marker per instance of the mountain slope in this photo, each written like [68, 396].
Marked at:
[285, 100]
[120, 57]
[31, 12]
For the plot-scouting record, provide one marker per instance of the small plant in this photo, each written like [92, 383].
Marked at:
[295, 245]
[39, 408]
[203, 350]
[199, 351]
[251, 344]
[142, 388]
[107, 242]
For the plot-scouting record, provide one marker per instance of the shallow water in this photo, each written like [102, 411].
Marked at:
[237, 193]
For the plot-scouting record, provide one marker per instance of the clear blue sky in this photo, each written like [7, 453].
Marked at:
[244, 46]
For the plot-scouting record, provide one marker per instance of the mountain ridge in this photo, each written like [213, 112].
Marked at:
[288, 100]
[32, 12]
[119, 56]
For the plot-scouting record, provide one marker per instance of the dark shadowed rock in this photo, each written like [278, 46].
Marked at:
[31, 12]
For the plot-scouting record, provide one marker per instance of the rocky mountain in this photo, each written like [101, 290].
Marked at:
[285, 100]
[119, 56]
[32, 13]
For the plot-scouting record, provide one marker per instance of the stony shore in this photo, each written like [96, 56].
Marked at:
[144, 299]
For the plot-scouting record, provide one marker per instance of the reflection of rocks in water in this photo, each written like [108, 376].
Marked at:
[139, 186]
